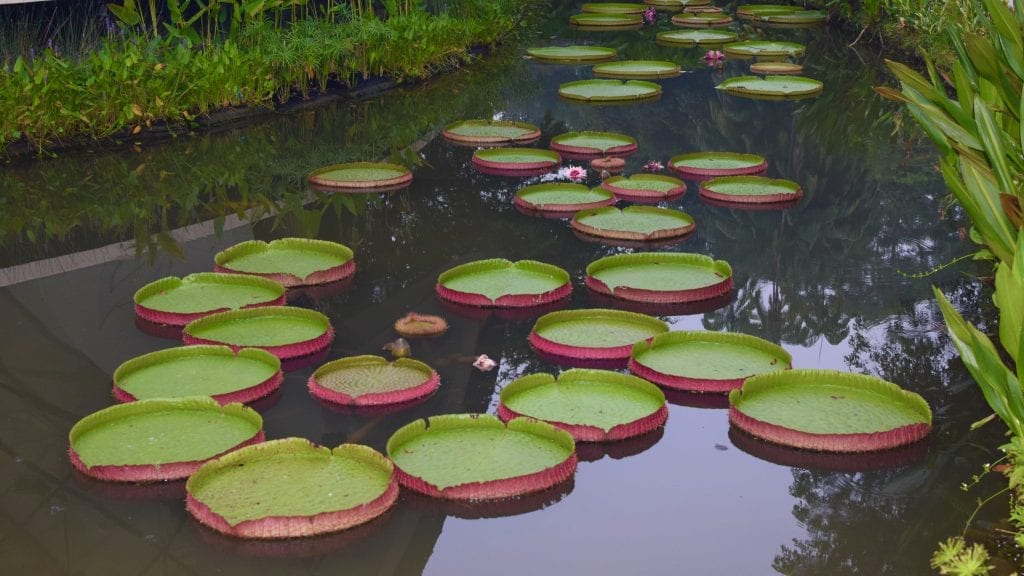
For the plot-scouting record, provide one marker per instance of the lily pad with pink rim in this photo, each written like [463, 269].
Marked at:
[829, 411]
[561, 199]
[592, 405]
[491, 132]
[587, 144]
[373, 381]
[705, 362]
[764, 48]
[608, 90]
[639, 223]
[595, 20]
[478, 457]
[291, 262]
[751, 190]
[593, 334]
[571, 54]
[500, 283]
[514, 160]
[613, 7]
[689, 38]
[702, 20]
[415, 325]
[215, 371]
[645, 187]
[640, 69]
[285, 331]
[661, 277]
[361, 176]
[778, 68]
[177, 301]
[705, 164]
[290, 488]
[159, 439]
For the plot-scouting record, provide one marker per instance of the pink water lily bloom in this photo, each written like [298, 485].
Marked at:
[483, 363]
[654, 166]
[714, 56]
[650, 15]
[574, 173]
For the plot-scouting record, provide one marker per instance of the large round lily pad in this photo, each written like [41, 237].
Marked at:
[776, 68]
[764, 48]
[704, 164]
[676, 4]
[214, 371]
[491, 132]
[607, 90]
[593, 334]
[561, 198]
[703, 20]
[643, 223]
[159, 439]
[602, 20]
[503, 284]
[749, 11]
[477, 457]
[373, 381]
[613, 7]
[291, 262]
[772, 87]
[284, 331]
[516, 159]
[177, 301]
[701, 361]
[572, 53]
[750, 190]
[687, 38]
[660, 277]
[590, 143]
[829, 411]
[794, 19]
[643, 69]
[361, 175]
[592, 405]
[645, 187]
[289, 488]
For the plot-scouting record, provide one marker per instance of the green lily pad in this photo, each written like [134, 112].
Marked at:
[696, 37]
[476, 456]
[676, 4]
[271, 327]
[609, 90]
[796, 18]
[633, 223]
[706, 20]
[372, 380]
[703, 164]
[645, 187]
[592, 405]
[291, 487]
[490, 132]
[613, 7]
[701, 361]
[204, 292]
[750, 189]
[595, 20]
[757, 10]
[289, 261]
[758, 48]
[648, 69]
[590, 142]
[500, 282]
[776, 68]
[572, 53]
[593, 333]
[781, 87]
[361, 175]
[561, 197]
[198, 371]
[516, 158]
[829, 411]
[660, 277]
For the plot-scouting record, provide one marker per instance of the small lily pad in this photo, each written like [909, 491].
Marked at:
[750, 190]
[593, 334]
[284, 331]
[606, 90]
[177, 301]
[645, 187]
[643, 69]
[613, 7]
[594, 143]
[688, 38]
[599, 20]
[669, 277]
[291, 262]
[414, 325]
[491, 132]
[643, 223]
[776, 68]
[829, 411]
[500, 283]
[560, 198]
[759, 48]
[289, 488]
[477, 457]
[592, 405]
[703, 20]
[773, 87]
[361, 175]
[572, 53]
[704, 164]
[373, 381]
[516, 159]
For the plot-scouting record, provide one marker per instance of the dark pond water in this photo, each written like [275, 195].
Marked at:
[82, 232]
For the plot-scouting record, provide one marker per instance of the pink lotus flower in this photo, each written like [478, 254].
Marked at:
[484, 363]
[574, 173]
[650, 15]
[654, 166]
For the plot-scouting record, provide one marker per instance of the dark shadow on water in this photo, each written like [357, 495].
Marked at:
[828, 461]
[471, 510]
[594, 451]
[695, 400]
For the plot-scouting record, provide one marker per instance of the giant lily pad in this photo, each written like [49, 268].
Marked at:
[704, 164]
[572, 53]
[594, 143]
[284, 331]
[291, 262]
[516, 159]
[705, 361]
[794, 19]
[829, 411]
[598, 334]
[178, 301]
[644, 223]
[645, 187]
[749, 11]
[606, 90]
[772, 87]
[373, 381]
[703, 20]
[613, 7]
[361, 175]
[688, 38]
[491, 132]
[159, 439]
[764, 48]
[776, 68]
[503, 284]
[750, 190]
[660, 277]
[561, 199]
[643, 69]
[676, 4]
[602, 20]
[214, 371]
[477, 457]
[592, 405]
[290, 487]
